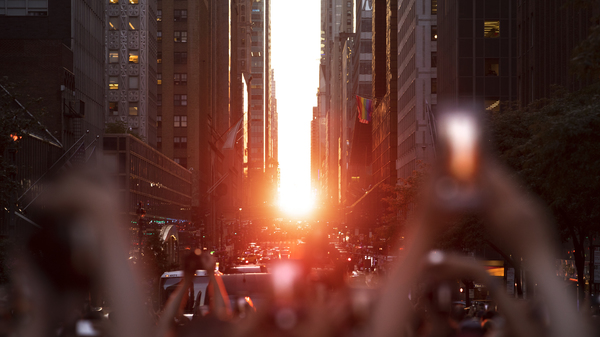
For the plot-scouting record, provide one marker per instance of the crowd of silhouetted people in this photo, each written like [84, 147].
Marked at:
[80, 250]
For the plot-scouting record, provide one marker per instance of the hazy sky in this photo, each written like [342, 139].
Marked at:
[295, 37]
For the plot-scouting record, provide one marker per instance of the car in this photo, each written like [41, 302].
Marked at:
[251, 258]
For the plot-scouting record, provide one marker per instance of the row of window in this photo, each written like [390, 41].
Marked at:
[179, 15]
[178, 121]
[178, 58]
[133, 81]
[178, 142]
[133, 23]
[132, 109]
[491, 30]
[131, 2]
[178, 78]
[179, 36]
[133, 56]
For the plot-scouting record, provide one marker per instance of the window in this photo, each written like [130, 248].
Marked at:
[180, 142]
[364, 67]
[177, 160]
[180, 100]
[433, 7]
[134, 82]
[180, 58]
[133, 109]
[113, 108]
[159, 15]
[159, 57]
[133, 2]
[491, 29]
[180, 78]
[158, 35]
[366, 25]
[180, 121]
[158, 120]
[434, 35]
[434, 85]
[180, 36]
[24, 8]
[113, 83]
[433, 59]
[180, 15]
[113, 23]
[134, 23]
[134, 56]
[349, 4]
[159, 78]
[159, 100]
[492, 67]
[365, 48]
[159, 143]
[113, 56]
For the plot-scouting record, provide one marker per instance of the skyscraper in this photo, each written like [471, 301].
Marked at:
[479, 42]
[259, 149]
[56, 48]
[417, 80]
[337, 21]
[131, 65]
[185, 99]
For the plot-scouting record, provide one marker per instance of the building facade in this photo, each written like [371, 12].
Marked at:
[417, 83]
[147, 178]
[337, 23]
[131, 50]
[54, 50]
[385, 93]
[186, 100]
[543, 62]
[479, 42]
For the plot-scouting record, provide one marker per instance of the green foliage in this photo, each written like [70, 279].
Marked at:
[585, 61]
[400, 202]
[120, 127]
[467, 234]
[117, 127]
[554, 148]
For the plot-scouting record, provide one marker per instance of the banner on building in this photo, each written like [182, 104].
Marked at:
[365, 108]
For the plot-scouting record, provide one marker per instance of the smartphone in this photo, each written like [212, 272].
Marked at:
[460, 136]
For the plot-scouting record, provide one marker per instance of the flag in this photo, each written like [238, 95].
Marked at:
[365, 107]
[230, 139]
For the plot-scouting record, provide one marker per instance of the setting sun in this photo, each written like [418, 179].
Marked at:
[296, 66]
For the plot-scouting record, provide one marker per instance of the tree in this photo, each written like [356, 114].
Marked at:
[400, 203]
[553, 146]
[120, 127]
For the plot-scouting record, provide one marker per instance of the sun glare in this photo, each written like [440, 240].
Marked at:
[295, 61]
[296, 201]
